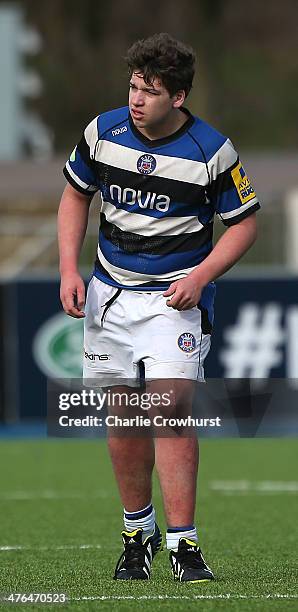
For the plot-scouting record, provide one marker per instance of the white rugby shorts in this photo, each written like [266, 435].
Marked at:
[123, 328]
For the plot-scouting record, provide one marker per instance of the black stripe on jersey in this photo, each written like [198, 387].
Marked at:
[76, 186]
[157, 245]
[241, 216]
[163, 285]
[178, 191]
[223, 182]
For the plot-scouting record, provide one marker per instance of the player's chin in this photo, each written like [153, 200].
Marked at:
[139, 123]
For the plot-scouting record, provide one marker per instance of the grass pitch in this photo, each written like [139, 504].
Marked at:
[61, 519]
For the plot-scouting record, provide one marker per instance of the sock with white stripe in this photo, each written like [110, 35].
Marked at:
[144, 519]
[174, 534]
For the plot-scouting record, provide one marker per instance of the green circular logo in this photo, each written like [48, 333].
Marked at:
[58, 347]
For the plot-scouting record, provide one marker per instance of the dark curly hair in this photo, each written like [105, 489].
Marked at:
[162, 56]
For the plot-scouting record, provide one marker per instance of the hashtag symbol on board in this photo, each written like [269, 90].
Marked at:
[254, 342]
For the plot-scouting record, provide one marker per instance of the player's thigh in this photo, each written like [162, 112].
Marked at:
[171, 396]
[107, 345]
[176, 344]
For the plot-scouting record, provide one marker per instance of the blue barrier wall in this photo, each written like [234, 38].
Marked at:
[255, 335]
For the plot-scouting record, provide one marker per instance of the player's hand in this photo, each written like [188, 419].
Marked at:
[72, 294]
[185, 294]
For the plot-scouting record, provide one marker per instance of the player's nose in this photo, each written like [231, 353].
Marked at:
[138, 98]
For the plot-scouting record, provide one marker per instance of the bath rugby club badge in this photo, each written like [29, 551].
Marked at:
[187, 342]
[146, 164]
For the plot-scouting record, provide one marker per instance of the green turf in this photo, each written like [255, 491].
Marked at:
[247, 538]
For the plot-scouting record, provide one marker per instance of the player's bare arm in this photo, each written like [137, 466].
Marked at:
[72, 224]
[236, 240]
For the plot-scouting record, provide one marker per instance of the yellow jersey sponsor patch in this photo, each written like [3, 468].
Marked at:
[242, 184]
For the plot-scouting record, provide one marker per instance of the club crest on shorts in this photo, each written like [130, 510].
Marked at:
[146, 164]
[187, 342]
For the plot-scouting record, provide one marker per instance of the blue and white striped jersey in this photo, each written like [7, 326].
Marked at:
[158, 197]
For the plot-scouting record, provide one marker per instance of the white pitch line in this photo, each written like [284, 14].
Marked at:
[221, 596]
[224, 596]
[261, 487]
[41, 548]
[50, 495]
[175, 597]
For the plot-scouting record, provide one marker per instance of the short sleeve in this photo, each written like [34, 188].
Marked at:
[79, 169]
[230, 190]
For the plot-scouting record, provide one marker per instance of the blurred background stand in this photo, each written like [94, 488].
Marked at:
[61, 63]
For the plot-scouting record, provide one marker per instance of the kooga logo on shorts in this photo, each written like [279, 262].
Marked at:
[95, 356]
[148, 199]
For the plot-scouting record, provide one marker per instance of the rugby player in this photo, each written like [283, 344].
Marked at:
[163, 174]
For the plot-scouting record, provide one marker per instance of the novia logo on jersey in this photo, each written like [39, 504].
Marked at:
[146, 164]
[147, 199]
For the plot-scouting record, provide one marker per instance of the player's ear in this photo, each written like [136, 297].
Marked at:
[178, 98]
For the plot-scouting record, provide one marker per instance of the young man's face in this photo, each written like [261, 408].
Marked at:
[150, 105]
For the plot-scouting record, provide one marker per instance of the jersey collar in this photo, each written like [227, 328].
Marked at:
[162, 141]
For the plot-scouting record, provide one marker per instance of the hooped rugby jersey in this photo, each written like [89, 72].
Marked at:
[158, 197]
